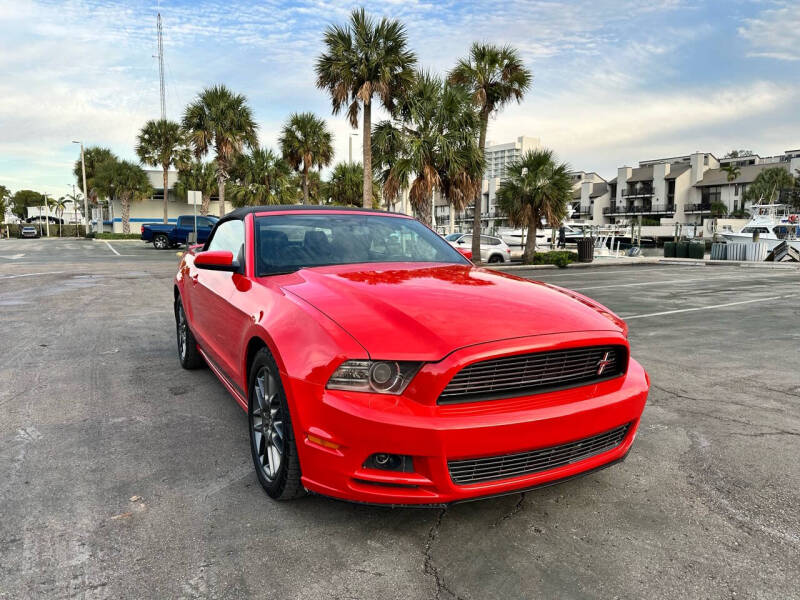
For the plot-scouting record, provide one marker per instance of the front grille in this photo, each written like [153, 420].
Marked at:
[533, 373]
[491, 468]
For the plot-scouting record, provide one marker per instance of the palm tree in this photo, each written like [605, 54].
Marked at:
[124, 180]
[362, 59]
[433, 143]
[768, 184]
[305, 143]
[261, 178]
[535, 188]
[733, 171]
[220, 119]
[60, 205]
[197, 176]
[494, 76]
[5, 196]
[93, 156]
[346, 183]
[162, 144]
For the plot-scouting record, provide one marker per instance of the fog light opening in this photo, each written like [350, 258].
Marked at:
[383, 461]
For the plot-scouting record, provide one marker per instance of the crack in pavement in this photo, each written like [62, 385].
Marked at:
[516, 508]
[774, 431]
[429, 567]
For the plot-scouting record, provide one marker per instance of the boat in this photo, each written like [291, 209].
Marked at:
[773, 224]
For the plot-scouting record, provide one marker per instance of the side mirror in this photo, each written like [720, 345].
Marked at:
[216, 260]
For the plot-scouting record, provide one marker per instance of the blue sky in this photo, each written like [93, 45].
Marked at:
[614, 81]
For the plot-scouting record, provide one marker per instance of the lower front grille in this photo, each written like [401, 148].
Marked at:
[491, 468]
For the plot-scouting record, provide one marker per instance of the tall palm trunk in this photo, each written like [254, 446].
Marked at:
[530, 243]
[221, 187]
[451, 228]
[366, 198]
[305, 182]
[166, 220]
[204, 205]
[476, 218]
[126, 213]
[424, 211]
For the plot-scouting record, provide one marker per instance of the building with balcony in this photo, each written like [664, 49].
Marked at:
[680, 189]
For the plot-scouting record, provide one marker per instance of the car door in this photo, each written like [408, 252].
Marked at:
[213, 314]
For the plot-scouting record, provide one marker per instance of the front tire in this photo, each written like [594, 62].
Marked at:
[188, 354]
[161, 242]
[272, 441]
[495, 258]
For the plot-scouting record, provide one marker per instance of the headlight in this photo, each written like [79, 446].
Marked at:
[381, 376]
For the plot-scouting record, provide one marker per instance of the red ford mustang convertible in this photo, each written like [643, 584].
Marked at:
[377, 364]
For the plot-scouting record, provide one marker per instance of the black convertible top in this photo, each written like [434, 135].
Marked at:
[240, 213]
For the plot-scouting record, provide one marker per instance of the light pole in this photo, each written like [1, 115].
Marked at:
[85, 192]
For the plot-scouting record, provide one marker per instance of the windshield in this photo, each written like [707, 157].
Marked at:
[453, 237]
[285, 243]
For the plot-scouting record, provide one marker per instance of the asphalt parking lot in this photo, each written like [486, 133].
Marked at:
[95, 411]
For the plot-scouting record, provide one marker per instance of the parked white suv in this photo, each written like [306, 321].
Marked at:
[493, 249]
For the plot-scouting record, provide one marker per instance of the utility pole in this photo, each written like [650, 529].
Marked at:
[85, 192]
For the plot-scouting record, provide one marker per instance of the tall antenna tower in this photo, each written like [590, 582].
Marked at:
[161, 68]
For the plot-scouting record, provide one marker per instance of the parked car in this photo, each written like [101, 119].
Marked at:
[493, 249]
[28, 231]
[165, 236]
[376, 364]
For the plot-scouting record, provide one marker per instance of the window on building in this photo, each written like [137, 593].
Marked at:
[709, 195]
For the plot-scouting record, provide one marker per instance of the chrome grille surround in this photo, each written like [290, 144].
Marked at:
[534, 373]
[493, 468]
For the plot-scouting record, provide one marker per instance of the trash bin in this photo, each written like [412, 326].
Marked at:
[669, 250]
[697, 250]
[586, 249]
[682, 250]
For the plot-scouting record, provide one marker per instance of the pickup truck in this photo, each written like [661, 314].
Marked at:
[167, 235]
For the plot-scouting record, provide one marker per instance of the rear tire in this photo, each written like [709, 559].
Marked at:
[160, 242]
[188, 354]
[495, 258]
[272, 442]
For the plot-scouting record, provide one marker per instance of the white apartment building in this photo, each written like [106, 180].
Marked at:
[498, 157]
[674, 190]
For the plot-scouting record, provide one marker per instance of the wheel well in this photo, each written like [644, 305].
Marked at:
[254, 345]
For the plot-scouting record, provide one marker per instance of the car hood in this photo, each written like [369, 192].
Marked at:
[425, 312]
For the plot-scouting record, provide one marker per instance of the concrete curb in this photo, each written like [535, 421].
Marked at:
[639, 262]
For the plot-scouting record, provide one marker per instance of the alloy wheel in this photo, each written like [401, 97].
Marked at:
[183, 331]
[267, 424]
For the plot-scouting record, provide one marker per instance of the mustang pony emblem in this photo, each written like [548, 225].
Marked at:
[603, 363]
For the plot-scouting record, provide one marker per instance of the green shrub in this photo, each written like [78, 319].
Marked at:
[70, 230]
[559, 258]
[118, 236]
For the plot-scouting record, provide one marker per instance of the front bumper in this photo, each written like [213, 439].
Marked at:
[352, 426]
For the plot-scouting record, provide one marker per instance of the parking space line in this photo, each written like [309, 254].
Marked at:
[684, 310]
[111, 247]
[739, 277]
[587, 272]
[31, 274]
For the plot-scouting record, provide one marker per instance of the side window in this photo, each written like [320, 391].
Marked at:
[229, 236]
[204, 222]
[183, 222]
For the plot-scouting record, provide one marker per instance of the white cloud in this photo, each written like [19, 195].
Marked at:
[85, 69]
[775, 32]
